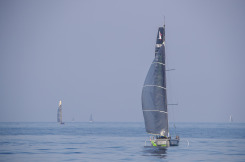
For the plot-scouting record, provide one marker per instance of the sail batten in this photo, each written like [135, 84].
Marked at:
[157, 110]
[158, 63]
[154, 95]
[154, 86]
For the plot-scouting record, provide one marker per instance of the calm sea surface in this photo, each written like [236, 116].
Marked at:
[118, 142]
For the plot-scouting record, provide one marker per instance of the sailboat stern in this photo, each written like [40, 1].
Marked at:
[160, 142]
[165, 142]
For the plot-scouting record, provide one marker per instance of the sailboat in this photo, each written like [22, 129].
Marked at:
[91, 118]
[231, 119]
[154, 97]
[59, 113]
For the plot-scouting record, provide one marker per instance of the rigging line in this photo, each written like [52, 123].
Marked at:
[170, 70]
[174, 121]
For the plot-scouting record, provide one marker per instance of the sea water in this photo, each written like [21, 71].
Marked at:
[100, 141]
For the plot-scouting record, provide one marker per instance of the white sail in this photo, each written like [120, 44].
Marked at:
[231, 119]
[91, 118]
[59, 113]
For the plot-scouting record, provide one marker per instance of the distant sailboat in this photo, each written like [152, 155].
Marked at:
[231, 119]
[91, 118]
[59, 113]
[154, 97]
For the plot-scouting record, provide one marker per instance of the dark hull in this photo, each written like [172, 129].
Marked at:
[174, 142]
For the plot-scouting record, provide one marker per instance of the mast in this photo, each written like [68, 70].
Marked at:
[166, 98]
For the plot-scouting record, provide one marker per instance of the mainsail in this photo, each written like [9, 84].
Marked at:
[231, 119]
[59, 113]
[154, 95]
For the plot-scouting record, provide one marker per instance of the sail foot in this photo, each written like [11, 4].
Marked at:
[156, 122]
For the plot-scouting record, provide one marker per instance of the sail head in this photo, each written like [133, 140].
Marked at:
[160, 39]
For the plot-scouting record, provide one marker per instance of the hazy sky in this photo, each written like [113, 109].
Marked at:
[94, 56]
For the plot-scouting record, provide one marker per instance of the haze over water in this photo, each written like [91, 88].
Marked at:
[94, 56]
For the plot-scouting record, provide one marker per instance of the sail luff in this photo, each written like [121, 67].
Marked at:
[58, 115]
[166, 97]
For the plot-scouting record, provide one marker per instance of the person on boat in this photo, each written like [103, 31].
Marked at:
[177, 137]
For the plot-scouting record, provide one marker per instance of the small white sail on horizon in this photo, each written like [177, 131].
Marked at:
[91, 118]
[59, 113]
[231, 119]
